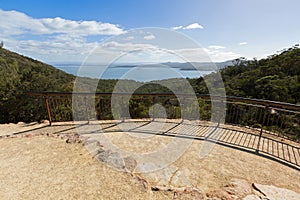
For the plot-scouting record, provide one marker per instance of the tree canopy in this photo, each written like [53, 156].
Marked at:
[273, 78]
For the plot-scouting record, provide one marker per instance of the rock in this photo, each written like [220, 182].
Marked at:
[181, 178]
[274, 193]
[73, 138]
[103, 155]
[113, 158]
[130, 164]
[182, 193]
[89, 141]
[143, 181]
[116, 160]
[93, 146]
[239, 188]
[161, 188]
[164, 176]
[189, 193]
[236, 189]
[220, 195]
[252, 197]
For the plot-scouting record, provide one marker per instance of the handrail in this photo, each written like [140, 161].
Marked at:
[264, 116]
[254, 120]
[268, 103]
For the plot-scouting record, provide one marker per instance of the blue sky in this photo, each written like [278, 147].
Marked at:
[224, 28]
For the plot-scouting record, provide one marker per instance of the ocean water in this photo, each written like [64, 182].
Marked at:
[143, 74]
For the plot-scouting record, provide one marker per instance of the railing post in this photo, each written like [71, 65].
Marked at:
[153, 110]
[262, 126]
[122, 108]
[48, 109]
[86, 110]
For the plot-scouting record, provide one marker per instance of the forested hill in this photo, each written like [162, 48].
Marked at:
[275, 78]
[23, 73]
[19, 74]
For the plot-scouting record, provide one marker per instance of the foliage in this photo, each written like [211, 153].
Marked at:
[274, 78]
[19, 74]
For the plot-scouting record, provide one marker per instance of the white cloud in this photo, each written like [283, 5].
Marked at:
[129, 52]
[17, 23]
[194, 26]
[116, 46]
[193, 54]
[61, 40]
[223, 56]
[58, 49]
[149, 37]
[177, 27]
[217, 47]
[243, 43]
[189, 27]
[52, 39]
[219, 55]
[206, 54]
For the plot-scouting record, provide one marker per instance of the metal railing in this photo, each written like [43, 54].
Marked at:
[261, 116]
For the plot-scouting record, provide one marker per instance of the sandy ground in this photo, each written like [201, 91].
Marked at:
[42, 167]
[35, 166]
[214, 170]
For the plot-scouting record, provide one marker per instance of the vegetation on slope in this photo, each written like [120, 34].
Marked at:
[274, 78]
[19, 74]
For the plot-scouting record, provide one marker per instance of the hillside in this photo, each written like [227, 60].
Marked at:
[275, 78]
[20, 74]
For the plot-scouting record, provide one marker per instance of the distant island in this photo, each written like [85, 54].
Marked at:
[145, 71]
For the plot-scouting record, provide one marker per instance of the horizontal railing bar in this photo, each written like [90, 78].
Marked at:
[245, 104]
[267, 103]
[284, 110]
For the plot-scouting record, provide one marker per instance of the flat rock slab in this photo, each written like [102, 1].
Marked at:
[275, 193]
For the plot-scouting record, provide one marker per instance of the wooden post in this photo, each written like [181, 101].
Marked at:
[48, 109]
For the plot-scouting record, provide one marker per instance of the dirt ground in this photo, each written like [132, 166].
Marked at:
[214, 170]
[42, 167]
[35, 166]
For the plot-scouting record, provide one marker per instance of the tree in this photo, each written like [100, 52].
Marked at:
[1, 44]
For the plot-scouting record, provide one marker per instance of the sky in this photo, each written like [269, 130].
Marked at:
[66, 31]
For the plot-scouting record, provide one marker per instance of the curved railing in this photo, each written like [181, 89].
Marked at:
[268, 128]
[276, 118]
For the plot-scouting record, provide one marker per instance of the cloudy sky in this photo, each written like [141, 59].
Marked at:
[57, 31]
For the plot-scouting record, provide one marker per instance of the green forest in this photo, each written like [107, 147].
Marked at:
[274, 78]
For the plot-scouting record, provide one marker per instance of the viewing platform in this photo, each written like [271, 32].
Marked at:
[264, 128]
[256, 144]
